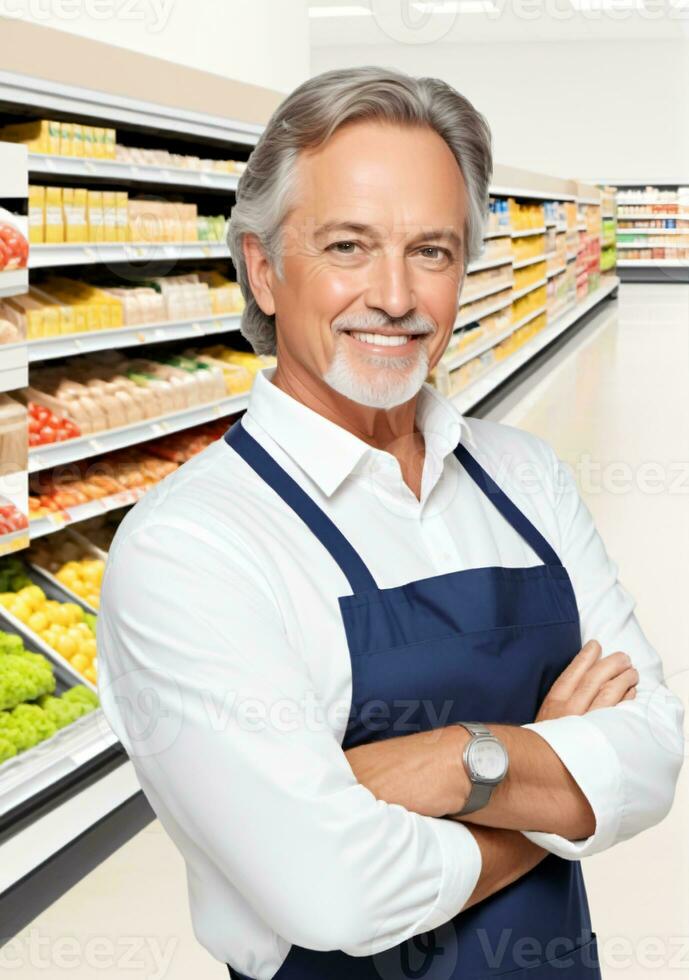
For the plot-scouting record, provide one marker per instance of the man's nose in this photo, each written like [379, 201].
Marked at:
[390, 287]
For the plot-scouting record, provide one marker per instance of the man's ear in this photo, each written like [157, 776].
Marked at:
[259, 272]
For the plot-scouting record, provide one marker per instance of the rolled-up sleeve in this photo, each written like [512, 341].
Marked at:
[626, 759]
[217, 713]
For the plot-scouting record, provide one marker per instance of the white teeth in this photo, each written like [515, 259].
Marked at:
[383, 340]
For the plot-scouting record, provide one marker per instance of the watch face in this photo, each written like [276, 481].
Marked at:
[487, 759]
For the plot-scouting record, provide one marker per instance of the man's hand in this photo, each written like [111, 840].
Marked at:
[424, 773]
[589, 682]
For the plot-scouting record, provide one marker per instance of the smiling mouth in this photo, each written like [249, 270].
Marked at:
[380, 339]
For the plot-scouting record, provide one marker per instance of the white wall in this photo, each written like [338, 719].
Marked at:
[258, 41]
[601, 109]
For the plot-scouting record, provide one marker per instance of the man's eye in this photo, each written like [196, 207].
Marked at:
[438, 250]
[336, 247]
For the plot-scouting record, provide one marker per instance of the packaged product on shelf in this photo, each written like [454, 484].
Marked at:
[94, 216]
[226, 296]
[13, 420]
[74, 203]
[109, 216]
[122, 216]
[54, 225]
[11, 518]
[66, 142]
[36, 213]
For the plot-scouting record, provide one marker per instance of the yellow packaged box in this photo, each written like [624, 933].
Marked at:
[54, 226]
[110, 216]
[94, 205]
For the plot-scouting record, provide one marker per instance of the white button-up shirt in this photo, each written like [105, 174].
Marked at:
[224, 670]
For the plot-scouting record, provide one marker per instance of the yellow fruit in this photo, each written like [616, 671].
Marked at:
[8, 598]
[93, 599]
[66, 646]
[61, 615]
[88, 648]
[38, 621]
[80, 662]
[74, 613]
[58, 629]
[22, 609]
[90, 674]
[83, 629]
[33, 594]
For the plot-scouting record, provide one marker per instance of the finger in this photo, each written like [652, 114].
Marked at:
[613, 691]
[631, 694]
[566, 684]
[599, 674]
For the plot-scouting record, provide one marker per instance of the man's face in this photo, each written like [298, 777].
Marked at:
[372, 261]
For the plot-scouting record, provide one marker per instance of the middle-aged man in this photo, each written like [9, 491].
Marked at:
[370, 659]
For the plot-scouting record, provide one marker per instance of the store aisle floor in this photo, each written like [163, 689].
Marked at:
[619, 392]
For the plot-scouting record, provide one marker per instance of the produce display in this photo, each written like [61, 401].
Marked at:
[11, 518]
[45, 426]
[133, 469]
[64, 626]
[14, 248]
[29, 710]
[79, 214]
[72, 564]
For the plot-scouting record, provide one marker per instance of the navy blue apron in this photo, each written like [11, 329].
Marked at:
[482, 644]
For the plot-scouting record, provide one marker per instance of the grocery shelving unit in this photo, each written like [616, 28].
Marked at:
[70, 801]
[652, 230]
[74, 798]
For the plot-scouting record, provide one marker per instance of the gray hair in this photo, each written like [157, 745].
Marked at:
[307, 118]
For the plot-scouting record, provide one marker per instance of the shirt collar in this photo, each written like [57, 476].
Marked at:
[328, 453]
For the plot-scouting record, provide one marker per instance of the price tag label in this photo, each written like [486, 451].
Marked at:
[96, 445]
[141, 337]
[89, 254]
[157, 429]
[59, 518]
[196, 327]
[206, 250]
[89, 167]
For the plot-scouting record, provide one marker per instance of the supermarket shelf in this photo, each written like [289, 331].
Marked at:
[528, 317]
[14, 282]
[479, 389]
[482, 264]
[588, 200]
[469, 353]
[525, 262]
[40, 526]
[652, 231]
[636, 263]
[649, 245]
[43, 164]
[13, 169]
[561, 229]
[664, 215]
[556, 272]
[495, 288]
[58, 254]
[528, 194]
[14, 541]
[471, 318]
[14, 372]
[58, 453]
[55, 98]
[499, 233]
[528, 231]
[44, 348]
[529, 289]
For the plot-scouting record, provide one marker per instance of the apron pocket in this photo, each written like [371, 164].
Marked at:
[579, 963]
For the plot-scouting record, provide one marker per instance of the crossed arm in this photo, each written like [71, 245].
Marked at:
[424, 773]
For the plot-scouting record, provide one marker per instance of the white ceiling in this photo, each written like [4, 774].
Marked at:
[411, 22]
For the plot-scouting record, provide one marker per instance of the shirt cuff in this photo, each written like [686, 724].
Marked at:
[462, 862]
[595, 767]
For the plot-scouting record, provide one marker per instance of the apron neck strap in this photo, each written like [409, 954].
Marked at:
[507, 508]
[354, 569]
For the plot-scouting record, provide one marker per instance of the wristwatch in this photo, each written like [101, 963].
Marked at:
[486, 762]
